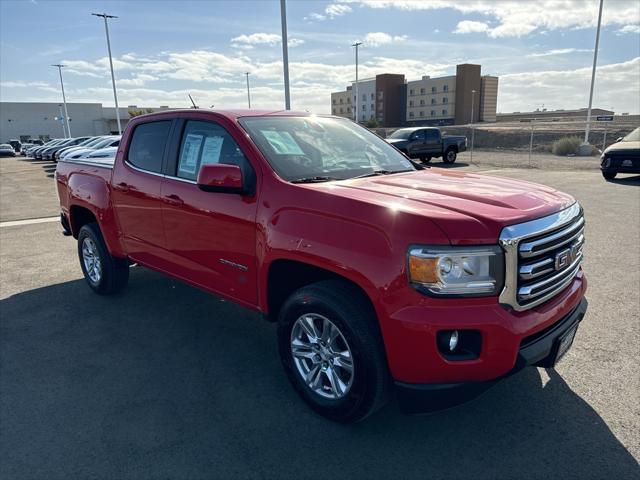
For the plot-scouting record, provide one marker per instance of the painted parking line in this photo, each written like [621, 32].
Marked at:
[29, 221]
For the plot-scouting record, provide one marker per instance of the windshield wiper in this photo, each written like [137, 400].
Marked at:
[375, 173]
[316, 179]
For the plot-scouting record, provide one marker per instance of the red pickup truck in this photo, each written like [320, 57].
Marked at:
[383, 276]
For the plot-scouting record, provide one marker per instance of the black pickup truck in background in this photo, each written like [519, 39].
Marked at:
[426, 143]
[622, 157]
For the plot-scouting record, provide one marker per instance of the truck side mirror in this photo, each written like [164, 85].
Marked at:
[619, 139]
[221, 178]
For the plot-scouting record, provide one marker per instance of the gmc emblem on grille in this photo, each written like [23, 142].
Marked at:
[567, 257]
[563, 259]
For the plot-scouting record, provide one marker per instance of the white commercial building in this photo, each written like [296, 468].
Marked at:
[33, 120]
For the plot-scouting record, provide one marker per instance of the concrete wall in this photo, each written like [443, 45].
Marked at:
[467, 80]
[431, 99]
[488, 98]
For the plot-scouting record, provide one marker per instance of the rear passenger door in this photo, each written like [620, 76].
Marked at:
[136, 185]
[211, 237]
[433, 145]
[416, 145]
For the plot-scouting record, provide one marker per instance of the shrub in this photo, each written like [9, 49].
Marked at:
[566, 146]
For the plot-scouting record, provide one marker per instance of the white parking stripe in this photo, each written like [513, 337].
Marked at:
[29, 221]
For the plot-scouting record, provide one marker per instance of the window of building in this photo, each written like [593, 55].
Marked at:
[433, 113]
[421, 102]
[373, 97]
[354, 99]
[364, 108]
[445, 100]
[433, 89]
[411, 91]
[333, 101]
[348, 109]
[422, 91]
[349, 100]
[433, 101]
[444, 112]
[445, 88]
[147, 145]
[205, 143]
[422, 114]
[411, 103]
[364, 97]
[410, 114]
[341, 110]
[340, 101]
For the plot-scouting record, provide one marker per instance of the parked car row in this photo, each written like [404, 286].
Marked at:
[74, 148]
[7, 150]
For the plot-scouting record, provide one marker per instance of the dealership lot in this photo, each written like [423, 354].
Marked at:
[167, 381]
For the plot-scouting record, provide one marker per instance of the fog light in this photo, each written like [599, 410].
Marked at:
[453, 341]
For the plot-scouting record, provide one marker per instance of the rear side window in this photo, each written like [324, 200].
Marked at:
[205, 143]
[432, 136]
[147, 145]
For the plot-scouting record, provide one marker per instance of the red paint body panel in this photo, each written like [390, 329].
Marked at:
[359, 229]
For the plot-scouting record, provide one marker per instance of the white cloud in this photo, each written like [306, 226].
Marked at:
[248, 42]
[332, 10]
[630, 29]
[138, 80]
[376, 39]
[468, 26]
[517, 18]
[559, 51]
[617, 85]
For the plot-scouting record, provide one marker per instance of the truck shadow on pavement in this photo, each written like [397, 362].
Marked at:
[167, 381]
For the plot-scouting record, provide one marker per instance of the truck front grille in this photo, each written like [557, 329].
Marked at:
[542, 257]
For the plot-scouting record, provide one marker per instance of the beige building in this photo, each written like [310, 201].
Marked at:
[341, 103]
[488, 98]
[431, 99]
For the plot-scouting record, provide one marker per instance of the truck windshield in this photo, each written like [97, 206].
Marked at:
[403, 133]
[322, 148]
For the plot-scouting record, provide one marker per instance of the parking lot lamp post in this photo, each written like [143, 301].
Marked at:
[285, 53]
[248, 92]
[61, 117]
[113, 78]
[473, 132]
[585, 149]
[64, 101]
[357, 44]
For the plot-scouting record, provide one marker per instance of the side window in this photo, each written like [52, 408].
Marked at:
[432, 136]
[205, 143]
[147, 145]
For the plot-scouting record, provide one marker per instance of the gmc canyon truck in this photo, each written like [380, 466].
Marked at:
[383, 276]
[426, 143]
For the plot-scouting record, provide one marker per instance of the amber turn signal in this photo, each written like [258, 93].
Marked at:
[423, 270]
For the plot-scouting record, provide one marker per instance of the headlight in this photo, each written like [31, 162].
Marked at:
[456, 271]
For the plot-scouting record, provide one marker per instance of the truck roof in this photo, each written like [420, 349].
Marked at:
[232, 114]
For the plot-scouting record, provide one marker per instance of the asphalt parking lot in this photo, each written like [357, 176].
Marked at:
[165, 381]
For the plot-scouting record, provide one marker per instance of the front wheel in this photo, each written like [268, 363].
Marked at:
[425, 158]
[450, 155]
[608, 175]
[104, 273]
[332, 351]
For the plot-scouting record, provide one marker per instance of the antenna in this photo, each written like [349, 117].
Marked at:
[192, 102]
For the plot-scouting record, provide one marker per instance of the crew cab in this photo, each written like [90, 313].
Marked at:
[382, 275]
[426, 143]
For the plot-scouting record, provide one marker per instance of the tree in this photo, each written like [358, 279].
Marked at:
[135, 113]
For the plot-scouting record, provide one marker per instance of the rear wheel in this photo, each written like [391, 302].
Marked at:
[332, 351]
[104, 273]
[450, 155]
[608, 175]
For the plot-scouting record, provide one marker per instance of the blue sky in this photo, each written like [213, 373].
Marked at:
[541, 50]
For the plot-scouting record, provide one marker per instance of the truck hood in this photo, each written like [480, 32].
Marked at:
[623, 147]
[470, 208]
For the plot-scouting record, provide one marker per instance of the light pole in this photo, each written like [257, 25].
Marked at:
[357, 44]
[113, 78]
[473, 132]
[248, 94]
[64, 132]
[285, 53]
[585, 148]
[64, 101]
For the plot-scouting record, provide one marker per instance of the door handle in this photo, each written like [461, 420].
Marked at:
[174, 199]
[122, 186]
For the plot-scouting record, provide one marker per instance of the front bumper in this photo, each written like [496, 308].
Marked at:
[539, 349]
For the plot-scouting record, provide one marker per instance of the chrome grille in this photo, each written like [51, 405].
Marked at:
[542, 257]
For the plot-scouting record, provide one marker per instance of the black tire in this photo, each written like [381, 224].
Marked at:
[345, 307]
[450, 155]
[425, 158]
[114, 272]
[608, 175]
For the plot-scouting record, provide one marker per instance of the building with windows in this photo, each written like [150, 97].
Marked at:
[380, 99]
[449, 100]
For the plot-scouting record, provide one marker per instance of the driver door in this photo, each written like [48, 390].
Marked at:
[416, 144]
